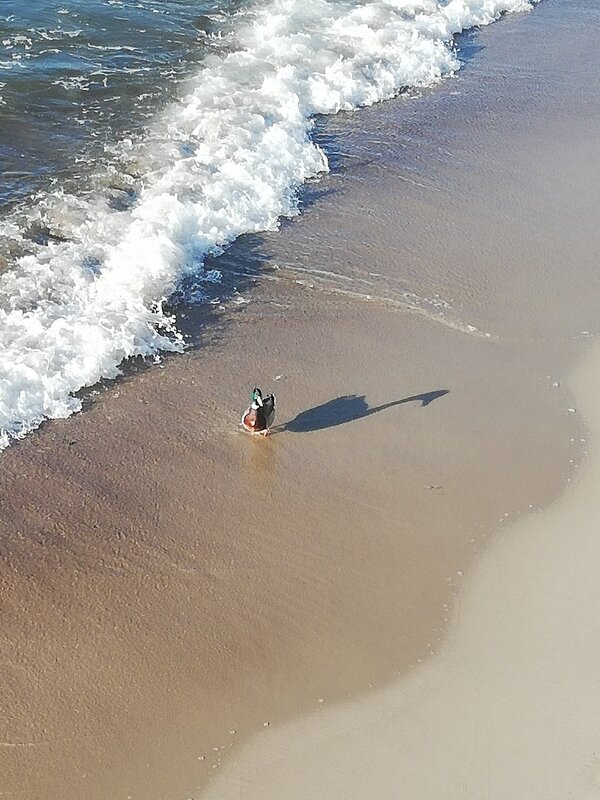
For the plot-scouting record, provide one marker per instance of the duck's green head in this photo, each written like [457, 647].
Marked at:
[257, 398]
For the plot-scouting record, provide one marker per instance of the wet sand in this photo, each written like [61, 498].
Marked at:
[510, 705]
[203, 581]
[169, 584]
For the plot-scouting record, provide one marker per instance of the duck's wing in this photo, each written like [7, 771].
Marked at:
[269, 408]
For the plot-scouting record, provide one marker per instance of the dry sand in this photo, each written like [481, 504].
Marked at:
[169, 584]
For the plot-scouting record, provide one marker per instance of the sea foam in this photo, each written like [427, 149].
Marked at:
[225, 160]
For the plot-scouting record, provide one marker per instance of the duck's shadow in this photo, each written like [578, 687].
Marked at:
[348, 408]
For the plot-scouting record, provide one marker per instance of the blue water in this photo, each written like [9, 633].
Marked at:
[77, 74]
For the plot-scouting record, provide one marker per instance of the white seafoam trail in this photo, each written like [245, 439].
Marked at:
[225, 160]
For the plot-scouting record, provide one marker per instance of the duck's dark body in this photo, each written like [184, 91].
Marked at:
[259, 416]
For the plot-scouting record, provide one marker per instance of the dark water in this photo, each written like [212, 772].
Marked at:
[76, 74]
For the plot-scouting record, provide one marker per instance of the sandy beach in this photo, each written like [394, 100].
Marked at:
[205, 582]
[395, 594]
[508, 707]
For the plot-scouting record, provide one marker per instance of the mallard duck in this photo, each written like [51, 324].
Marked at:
[259, 415]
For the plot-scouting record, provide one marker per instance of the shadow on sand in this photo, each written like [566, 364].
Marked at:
[349, 408]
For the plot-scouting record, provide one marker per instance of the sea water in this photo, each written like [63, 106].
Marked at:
[138, 137]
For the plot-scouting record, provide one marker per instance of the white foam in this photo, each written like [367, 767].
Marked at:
[226, 160]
